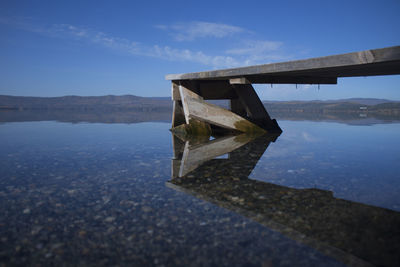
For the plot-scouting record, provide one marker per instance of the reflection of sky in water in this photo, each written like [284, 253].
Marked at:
[76, 192]
[357, 163]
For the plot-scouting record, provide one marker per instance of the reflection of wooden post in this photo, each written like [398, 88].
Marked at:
[190, 154]
[194, 156]
[177, 148]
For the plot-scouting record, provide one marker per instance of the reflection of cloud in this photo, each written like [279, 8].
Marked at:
[309, 138]
[278, 152]
[200, 29]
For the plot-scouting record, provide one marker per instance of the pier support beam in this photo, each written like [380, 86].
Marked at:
[192, 115]
[255, 109]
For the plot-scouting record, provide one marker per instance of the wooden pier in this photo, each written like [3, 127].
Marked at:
[193, 115]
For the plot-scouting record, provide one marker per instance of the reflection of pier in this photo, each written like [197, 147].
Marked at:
[351, 232]
[190, 154]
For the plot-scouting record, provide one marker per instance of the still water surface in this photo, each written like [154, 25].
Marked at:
[321, 194]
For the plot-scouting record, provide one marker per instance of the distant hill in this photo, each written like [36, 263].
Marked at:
[108, 102]
[358, 106]
[131, 109]
[363, 101]
[94, 116]
[137, 103]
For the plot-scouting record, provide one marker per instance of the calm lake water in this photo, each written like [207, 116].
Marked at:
[320, 194]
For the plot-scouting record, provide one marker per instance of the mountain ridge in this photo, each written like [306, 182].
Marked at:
[138, 103]
[131, 108]
[363, 101]
[83, 102]
[123, 99]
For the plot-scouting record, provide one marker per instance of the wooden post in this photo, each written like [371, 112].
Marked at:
[182, 123]
[238, 108]
[193, 116]
[186, 96]
[255, 108]
[195, 107]
[178, 117]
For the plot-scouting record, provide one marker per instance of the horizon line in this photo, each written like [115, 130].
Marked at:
[292, 100]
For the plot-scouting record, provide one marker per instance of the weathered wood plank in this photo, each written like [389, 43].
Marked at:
[262, 79]
[175, 92]
[383, 61]
[186, 94]
[241, 80]
[178, 117]
[197, 108]
[193, 128]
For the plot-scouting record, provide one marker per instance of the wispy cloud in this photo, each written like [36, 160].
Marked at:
[248, 53]
[255, 47]
[67, 31]
[139, 49]
[172, 54]
[310, 138]
[200, 29]
[258, 52]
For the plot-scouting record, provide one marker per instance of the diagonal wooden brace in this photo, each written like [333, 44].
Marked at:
[194, 107]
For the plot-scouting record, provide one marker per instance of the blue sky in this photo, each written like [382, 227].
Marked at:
[56, 48]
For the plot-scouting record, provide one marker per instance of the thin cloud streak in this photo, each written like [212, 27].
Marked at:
[253, 52]
[253, 47]
[258, 52]
[200, 29]
[172, 54]
[67, 31]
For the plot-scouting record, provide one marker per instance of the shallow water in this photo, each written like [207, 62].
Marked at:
[94, 193]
